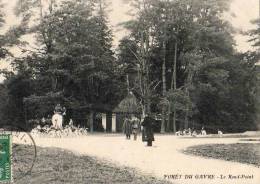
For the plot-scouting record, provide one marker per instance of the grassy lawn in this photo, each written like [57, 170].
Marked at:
[240, 152]
[59, 166]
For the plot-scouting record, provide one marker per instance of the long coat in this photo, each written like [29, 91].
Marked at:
[147, 133]
[127, 127]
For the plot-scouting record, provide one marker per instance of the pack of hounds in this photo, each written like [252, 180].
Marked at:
[195, 133]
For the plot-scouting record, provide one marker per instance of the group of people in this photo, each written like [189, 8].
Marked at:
[134, 126]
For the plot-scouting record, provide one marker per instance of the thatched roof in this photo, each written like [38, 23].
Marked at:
[129, 104]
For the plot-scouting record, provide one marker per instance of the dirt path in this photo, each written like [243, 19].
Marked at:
[164, 158]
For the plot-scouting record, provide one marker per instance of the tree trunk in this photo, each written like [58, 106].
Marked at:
[186, 121]
[174, 120]
[163, 126]
[91, 121]
[54, 83]
[127, 83]
[143, 75]
[41, 9]
[189, 83]
[174, 83]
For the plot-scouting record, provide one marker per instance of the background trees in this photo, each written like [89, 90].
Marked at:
[189, 50]
[255, 57]
[178, 59]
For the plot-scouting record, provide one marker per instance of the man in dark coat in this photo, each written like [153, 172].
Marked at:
[147, 131]
[127, 127]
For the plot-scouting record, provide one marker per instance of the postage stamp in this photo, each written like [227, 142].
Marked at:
[5, 158]
[17, 154]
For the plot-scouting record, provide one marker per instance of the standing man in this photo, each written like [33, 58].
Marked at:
[147, 130]
[60, 110]
[127, 128]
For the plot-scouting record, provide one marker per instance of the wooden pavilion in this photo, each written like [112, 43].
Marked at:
[111, 117]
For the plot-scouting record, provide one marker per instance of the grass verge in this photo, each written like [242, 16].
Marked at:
[63, 167]
[248, 153]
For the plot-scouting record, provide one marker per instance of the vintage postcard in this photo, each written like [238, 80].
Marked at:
[130, 91]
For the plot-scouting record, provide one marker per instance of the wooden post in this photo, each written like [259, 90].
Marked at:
[91, 121]
[104, 121]
[113, 122]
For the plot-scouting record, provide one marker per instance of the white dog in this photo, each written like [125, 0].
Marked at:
[203, 132]
[220, 133]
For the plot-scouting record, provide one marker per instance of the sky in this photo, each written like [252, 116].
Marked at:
[244, 11]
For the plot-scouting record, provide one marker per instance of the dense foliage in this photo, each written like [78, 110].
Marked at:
[195, 77]
[178, 59]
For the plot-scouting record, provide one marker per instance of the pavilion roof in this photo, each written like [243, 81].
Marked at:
[129, 104]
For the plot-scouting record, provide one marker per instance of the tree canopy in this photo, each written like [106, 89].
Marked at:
[178, 60]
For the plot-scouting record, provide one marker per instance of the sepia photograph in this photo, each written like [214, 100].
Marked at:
[130, 91]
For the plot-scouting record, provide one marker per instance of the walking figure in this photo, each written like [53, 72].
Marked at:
[127, 128]
[147, 130]
[135, 126]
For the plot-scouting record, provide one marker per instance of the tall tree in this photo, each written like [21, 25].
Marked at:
[74, 52]
[142, 34]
